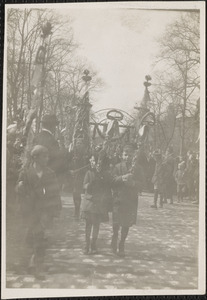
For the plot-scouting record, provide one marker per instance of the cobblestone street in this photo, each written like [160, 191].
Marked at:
[161, 252]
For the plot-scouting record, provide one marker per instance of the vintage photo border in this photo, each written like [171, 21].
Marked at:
[8, 293]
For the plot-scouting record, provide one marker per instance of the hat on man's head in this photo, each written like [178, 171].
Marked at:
[50, 119]
[38, 149]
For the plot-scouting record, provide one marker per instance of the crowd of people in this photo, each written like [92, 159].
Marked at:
[175, 177]
[101, 184]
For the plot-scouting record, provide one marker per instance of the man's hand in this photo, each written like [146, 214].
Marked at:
[128, 179]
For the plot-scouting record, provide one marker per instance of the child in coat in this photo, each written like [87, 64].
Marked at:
[97, 190]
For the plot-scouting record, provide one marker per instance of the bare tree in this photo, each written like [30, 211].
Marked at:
[61, 82]
[179, 60]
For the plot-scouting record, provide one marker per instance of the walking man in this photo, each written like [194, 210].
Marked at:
[125, 199]
[158, 180]
[78, 164]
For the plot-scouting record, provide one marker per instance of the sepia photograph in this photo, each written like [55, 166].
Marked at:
[103, 149]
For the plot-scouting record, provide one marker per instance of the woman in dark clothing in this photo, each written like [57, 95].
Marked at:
[97, 185]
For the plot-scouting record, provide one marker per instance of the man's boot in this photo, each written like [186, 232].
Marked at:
[114, 244]
[77, 203]
[121, 252]
[39, 273]
[93, 247]
[87, 248]
[161, 201]
[77, 212]
[155, 199]
[154, 205]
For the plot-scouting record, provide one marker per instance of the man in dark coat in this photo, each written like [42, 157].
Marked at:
[125, 198]
[189, 175]
[169, 164]
[78, 164]
[151, 170]
[143, 165]
[158, 179]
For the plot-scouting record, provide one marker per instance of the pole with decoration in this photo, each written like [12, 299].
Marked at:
[145, 117]
[82, 126]
[36, 91]
[146, 120]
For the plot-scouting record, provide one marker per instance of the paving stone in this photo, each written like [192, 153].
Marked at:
[164, 243]
[12, 278]
[110, 287]
[36, 286]
[17, 285]
[174, 282]
[29, 279]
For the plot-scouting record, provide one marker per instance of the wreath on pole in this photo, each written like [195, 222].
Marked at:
[112, 133]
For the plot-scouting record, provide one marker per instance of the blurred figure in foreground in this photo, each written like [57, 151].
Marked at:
[39, 195]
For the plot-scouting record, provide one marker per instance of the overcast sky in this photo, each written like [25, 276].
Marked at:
[121, 45]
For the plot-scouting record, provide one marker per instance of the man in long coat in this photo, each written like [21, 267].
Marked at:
[78, 164]
[169, 164]
[158, 179]
[125, 199]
